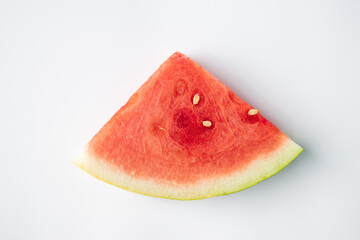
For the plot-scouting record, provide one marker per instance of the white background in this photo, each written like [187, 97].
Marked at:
[67, 66]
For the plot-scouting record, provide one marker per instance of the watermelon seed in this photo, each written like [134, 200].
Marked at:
[196, 99]
[253, 112]
[206, 123]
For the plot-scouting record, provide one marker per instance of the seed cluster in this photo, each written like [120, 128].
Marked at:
[207, 123]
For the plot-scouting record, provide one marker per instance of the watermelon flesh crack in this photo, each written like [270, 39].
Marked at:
[185, 135]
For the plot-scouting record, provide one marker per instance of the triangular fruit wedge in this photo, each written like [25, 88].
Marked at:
[185, 135]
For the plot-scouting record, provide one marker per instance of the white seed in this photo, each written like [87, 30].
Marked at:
[196, 99]
[253, 111]
[206, 123]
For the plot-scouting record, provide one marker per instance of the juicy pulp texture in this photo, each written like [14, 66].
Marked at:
[164, 143]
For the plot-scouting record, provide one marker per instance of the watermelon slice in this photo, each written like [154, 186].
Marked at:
[185, 135]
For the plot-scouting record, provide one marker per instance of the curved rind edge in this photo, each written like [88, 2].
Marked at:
[259, 170]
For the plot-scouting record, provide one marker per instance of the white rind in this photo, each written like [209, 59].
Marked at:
[260, 169]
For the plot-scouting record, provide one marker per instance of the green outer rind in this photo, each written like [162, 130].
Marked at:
[300, 151]
[259, 170]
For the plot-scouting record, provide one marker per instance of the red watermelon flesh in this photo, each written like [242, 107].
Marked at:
[185, 135]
